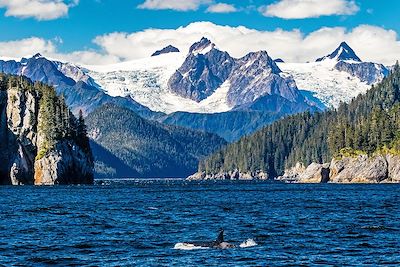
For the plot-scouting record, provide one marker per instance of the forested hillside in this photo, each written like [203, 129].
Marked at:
[368, 124]
[126, 145]
[41, 142]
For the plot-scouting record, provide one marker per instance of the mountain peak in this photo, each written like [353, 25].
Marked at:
[202, 47]
[36, 56]
[166, 50]
[260, 59]
[343, 52]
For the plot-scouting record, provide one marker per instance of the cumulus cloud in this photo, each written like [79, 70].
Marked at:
[179, 5]
[26, 47]
[301, 9]
[38, 9]
[371, 43]
[221, 8]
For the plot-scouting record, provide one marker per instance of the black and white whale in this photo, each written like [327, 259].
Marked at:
[218, 243]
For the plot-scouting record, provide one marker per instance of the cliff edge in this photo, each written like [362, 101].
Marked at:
[41, 142]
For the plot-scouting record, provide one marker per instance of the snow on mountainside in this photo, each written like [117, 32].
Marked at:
[206, 80]
[337, 77]
[146, 81]
[328, 84]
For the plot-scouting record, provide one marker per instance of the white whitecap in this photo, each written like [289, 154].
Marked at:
[248, 243]
[187, 246]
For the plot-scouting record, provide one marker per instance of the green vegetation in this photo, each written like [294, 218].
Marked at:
[126, 145]
[54, 120]
[367, 125]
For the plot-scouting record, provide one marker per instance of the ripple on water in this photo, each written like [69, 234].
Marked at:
[138, 223]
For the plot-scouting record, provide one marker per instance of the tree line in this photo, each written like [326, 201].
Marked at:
[368, 124]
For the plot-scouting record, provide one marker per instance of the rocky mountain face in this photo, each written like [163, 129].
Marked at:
[257, 75]
[36, 146]
[166, 50]
[204, 70]
[360, 169]
[248, 79]
[367, 72]
[343, 52]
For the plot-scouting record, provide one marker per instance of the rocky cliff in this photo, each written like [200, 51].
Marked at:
[41, 142]
[360, 169]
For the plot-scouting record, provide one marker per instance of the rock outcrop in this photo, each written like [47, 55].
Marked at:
[366, 71]
[233, 175]
[65, 162]
[360, 169]
[166, 50]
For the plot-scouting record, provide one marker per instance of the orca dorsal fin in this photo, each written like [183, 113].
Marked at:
[220, 237]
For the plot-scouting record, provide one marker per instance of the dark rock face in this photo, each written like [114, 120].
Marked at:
[279, 60]
[166, 50]
[250, 78]
[257, 75]
[343, 52]
[366, 71]
[201, 74]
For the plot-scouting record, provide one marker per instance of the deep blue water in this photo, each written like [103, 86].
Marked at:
[138, 223]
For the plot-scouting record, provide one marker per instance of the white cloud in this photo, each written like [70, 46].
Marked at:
[221, 8]
[26, 47]
[301, 9]
[179, 5]
[371, 43]
[38, 9]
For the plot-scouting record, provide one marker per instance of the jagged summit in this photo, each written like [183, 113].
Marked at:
[202, 47]
[37, 55]
[343, 52]
[166, 50]
[260, 59]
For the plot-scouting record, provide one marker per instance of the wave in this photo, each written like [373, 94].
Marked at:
[248, 243]
[188, 246]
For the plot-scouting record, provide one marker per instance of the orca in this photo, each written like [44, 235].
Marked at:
[219, 243]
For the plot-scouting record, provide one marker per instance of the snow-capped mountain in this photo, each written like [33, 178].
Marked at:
[257, 75]
[206, 80]
[337, 77]
[78, 88]
[343, 52]
[188, 87]
[204, 70]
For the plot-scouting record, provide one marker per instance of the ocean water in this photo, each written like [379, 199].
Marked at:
[140, 223]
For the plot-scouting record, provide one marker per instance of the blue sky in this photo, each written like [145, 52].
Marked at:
[80, 22]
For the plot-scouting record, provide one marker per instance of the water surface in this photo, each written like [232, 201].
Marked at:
[138, 223]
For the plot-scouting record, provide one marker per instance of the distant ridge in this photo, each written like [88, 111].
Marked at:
[166, 50]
